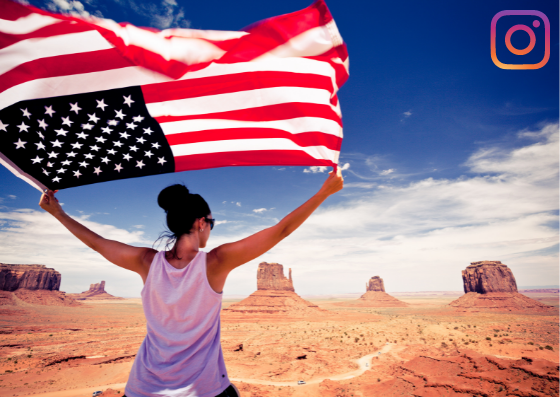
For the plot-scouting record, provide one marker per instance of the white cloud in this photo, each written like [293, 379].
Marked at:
[260, 210]
[420, 236]
[387, 172]
[407, 114]
[222, 222]
[12, 196]
[223, 202]
[72, 7]
[345, 167]
[315, 169]
[138, 226]
[238, 204]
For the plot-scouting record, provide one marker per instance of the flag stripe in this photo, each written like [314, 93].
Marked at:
[27, 24]
[57, 29]
[291, 126]
[248, 158]
[238, 100]
[32, 49]
[281, 111]
[64, 65]
[303, 139]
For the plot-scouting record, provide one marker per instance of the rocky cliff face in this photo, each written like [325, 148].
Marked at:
[375, 284]
[95, 291]
[488, 276]
[98, 288]
[32, 277]
[270, 277]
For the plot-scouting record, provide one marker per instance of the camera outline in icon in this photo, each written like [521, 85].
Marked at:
[527, 29]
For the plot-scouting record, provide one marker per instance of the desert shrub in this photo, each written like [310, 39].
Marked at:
[488, 338]
[541, 348]
[547, 347]
[530, 343]
[456, 328]
[443, 345]
[379, 380]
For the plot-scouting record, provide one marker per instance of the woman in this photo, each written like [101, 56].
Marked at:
[181, 354]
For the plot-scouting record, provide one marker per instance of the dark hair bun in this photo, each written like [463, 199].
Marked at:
[173, 196]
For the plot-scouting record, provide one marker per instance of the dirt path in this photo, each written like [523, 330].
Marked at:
[362, 362]
[87, 391]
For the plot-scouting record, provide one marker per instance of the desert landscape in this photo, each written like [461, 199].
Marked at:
[491, 340]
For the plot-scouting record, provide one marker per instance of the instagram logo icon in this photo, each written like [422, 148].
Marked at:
[539, 25]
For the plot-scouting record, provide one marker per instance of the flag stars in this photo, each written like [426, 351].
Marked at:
[45, 172]
[25, 113]
[148, 131]
[83, 164]
[97, 170]
[3, 126]
[49, 164]
[49, 110]
[40, 135]
[61, 170]
[23, 127]
[106, 130]
[118, 168]
[89, 156]
[66, 162]
[20, 144]
[156, 145]
[138, 119]
[56, 179]
[67, 121]
[117, 144]
[42, 124]
[100, 139]
[127, 157]
[119, 114]
[61, 132]
[37, 160]
[131, 126]
[77, 174]
[75, 108]
[161, 160]
[76, 145]
[124, 134]
[128, 100]
[57, 143]
[87, 126]
[101, 104]
[40, 146]
[133, 148]
[82, 135]
[71, 154]
[52, 154]
[140, 140]
[111, 151]
[105, 160]
[113, 122]
[94, 148]
[140, 164]
[94, 118]
[148, 154]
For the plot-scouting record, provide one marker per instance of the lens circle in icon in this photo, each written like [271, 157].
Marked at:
[536, 23]
[526, 50]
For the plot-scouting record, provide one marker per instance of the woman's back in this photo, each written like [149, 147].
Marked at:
[181, 354]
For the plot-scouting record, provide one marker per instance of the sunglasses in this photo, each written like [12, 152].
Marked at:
[211, 222]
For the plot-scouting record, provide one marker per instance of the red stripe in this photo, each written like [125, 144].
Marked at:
[282, 111]
[338, 52]
[247, 158]
[304, 139]
[56, 29]
[12, 11]
[270, 33]
[204, 86]
[64, 65]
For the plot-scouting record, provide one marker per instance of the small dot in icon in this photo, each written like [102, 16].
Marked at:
[536, 23]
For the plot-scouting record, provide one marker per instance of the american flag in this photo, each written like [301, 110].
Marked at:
[89, 100]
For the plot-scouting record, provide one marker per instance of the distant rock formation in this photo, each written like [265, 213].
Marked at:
[32, 277]
[491, 285]
[488, 276]
[270, 277]
[275, 295]
[97, 292]
[375, 296]
[375, 284]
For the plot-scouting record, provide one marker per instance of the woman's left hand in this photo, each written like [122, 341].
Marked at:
[50, 203]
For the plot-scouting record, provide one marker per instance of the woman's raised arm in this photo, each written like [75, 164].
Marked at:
[223, 259]
[132, 258]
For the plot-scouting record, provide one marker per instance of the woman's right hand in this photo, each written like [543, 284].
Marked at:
[50, 203]
[333, 184]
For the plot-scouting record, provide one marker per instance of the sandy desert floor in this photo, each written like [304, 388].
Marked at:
[426, 349]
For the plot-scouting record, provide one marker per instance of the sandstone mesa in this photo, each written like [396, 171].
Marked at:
[95, 292]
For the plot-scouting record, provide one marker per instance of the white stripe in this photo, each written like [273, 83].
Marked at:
[312, 42]
[27, 24]
[293, 126]
[31, 49]
[6, 162]
[241, 145]
[214, 35]
[238, 100]
[136, 75]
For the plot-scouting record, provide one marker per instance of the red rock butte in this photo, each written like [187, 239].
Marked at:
[491, 285]
[35, 284]
[375, 296]
[275, 295]
[95, 292]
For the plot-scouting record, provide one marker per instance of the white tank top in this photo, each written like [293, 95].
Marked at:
[181, 355]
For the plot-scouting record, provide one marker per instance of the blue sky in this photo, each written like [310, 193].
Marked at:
[451, 159]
